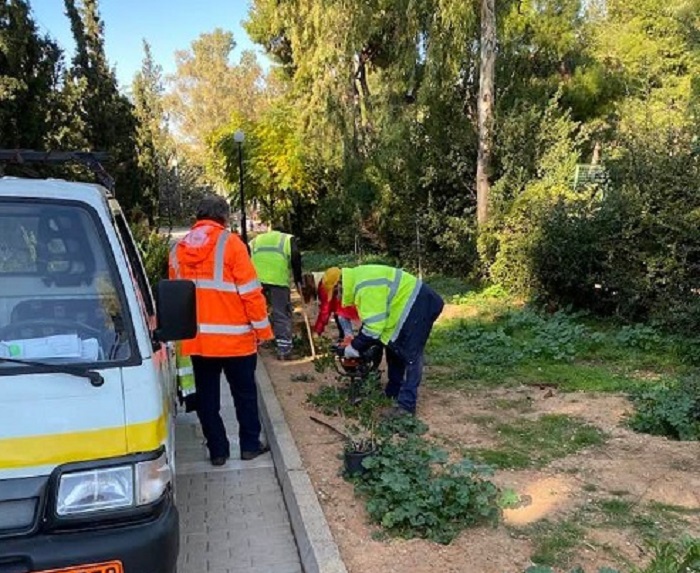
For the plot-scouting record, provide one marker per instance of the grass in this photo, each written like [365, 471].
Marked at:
[654, 524]
[452, 289]
[535, 443]
[554, 542]
[520, 405]
[500, 342]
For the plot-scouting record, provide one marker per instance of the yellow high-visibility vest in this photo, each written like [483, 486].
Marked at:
[185, 374]
[271, 255]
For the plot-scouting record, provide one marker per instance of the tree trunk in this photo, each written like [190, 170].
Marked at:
[485, 108]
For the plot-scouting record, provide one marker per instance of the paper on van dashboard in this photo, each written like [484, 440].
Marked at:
[57, 346]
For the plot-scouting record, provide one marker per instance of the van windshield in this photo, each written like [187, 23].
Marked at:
[60, 300]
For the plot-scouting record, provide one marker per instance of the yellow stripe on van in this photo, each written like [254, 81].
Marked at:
[56, 449]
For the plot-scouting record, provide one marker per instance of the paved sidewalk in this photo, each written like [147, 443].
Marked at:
[233, 519]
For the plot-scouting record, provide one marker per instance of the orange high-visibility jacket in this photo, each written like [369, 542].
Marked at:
[231, 307]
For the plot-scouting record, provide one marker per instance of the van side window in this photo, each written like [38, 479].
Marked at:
[132, 254]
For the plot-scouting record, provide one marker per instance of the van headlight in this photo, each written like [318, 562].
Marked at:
[119, 487]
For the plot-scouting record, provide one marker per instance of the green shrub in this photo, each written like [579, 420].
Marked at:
[412, 491]
[671, 410]
[317, 261]
[155, 250]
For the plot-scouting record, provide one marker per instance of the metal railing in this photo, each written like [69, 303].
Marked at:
[90, 159]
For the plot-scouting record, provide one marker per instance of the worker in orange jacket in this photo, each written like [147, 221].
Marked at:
[231, 322]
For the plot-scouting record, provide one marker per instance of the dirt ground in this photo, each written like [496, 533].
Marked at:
[643, 468]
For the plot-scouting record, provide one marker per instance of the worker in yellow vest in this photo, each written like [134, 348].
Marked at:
[274, 255]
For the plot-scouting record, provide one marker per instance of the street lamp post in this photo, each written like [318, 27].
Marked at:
[238, 137]
[172, 163]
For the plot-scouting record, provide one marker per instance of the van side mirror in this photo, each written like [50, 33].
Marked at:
[176, 304]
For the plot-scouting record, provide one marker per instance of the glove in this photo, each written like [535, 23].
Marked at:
[350, 352]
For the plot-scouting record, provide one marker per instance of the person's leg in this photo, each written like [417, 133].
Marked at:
[282, 318]
[207, 375]
[408, 395]
[396, 369]
[411, 343]
[240, 373]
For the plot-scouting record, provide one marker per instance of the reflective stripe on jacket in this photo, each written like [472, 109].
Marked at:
[383, 297]
[231, 308]
[271, 253]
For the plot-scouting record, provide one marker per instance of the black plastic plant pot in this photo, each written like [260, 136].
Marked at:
[353, 462]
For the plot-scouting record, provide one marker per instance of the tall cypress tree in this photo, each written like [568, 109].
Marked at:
[151, 134]
[105, 115]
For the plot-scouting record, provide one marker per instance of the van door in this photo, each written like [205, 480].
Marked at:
[163, 354]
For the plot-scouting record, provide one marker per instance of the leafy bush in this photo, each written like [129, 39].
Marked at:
[629, 247]
[671, 410]
[412, 491]
[640, 336]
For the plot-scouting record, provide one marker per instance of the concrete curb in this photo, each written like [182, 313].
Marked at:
[317, 548]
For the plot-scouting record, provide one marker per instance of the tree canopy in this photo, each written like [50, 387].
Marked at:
[364, 133]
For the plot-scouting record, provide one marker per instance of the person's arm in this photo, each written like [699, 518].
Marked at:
[249, 288]
[324, 310]
[296, 261]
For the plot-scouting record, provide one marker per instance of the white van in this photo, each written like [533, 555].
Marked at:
[87, 387]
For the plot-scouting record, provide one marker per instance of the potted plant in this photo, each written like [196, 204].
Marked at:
[360, 443]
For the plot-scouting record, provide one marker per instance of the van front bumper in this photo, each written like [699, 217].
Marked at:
[148, 547]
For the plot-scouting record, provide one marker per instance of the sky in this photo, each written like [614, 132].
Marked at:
[168, 25]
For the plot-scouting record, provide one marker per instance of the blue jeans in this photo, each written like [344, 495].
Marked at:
[240, 374]
[404, 356]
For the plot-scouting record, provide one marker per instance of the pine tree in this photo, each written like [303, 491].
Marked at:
[105, 116]
[29, 68]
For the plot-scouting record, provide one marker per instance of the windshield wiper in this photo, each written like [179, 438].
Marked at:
[95, 378]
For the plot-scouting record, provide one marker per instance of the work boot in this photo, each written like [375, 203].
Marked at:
[247, 456]
[393, 412]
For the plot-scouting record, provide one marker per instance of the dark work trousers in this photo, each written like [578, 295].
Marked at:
[279, 298]
[240, 374]
[404, 356]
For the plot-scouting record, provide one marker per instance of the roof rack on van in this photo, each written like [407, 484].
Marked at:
[91, 159]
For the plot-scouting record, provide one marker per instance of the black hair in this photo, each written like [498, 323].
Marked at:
[215, 208]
